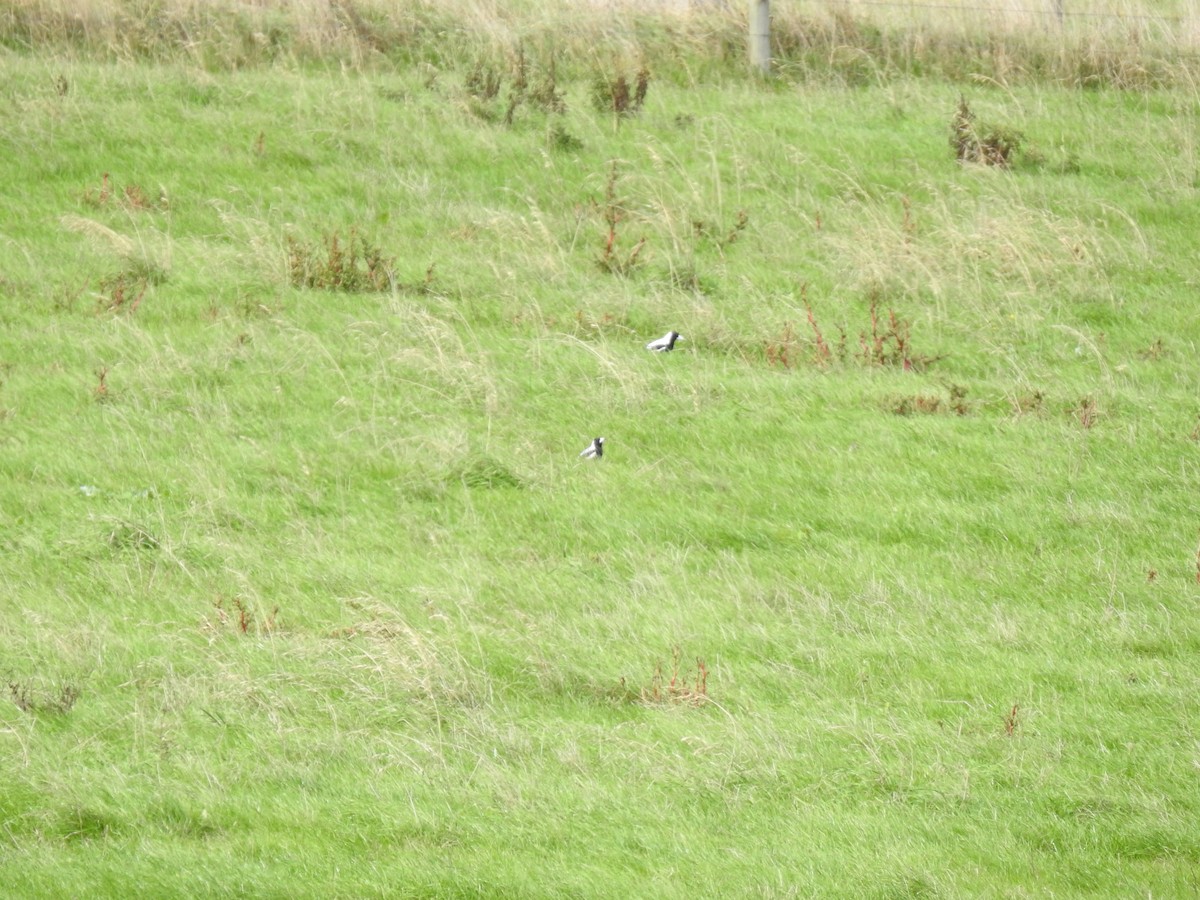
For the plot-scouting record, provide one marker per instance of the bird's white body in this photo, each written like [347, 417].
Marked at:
[665, 343]
[594, 450]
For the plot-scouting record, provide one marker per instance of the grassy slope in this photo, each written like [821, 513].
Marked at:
[466, 614]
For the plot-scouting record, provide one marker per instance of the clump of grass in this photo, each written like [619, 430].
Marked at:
[781, 350]
[130, 536]
[929, 403]
[482, 471]
[619, 95]
[483, 81]
[1086, 412]
[97, 197]
[132, 197]
[958, 399]
[31, 698]
[560, 139]
[545, 93]
[484, 84]
[353, 265]
[916, 403]
[995, 145]
[241, 618]
[135, 197]
[682, 690]
[889, 342]
[1028, 402]
[741, 220]
[122, 292]
[722, 237]
[1156, 351]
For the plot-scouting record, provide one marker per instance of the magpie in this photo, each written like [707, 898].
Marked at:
[595, 450]
[665, 343]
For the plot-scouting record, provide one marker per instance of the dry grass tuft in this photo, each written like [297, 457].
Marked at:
[680, 689]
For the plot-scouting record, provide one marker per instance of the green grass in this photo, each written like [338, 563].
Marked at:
[310, 595]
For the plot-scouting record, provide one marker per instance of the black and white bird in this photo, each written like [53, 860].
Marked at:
[665, 343]
[595, 449]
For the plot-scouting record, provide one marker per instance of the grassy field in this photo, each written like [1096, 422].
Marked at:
[886, 585]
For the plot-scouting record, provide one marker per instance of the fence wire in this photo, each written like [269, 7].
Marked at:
[1057, 11]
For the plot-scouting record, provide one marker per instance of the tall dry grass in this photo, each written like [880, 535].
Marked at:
[1119, 43]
